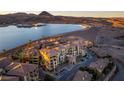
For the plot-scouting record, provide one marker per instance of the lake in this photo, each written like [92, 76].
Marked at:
[12, 36]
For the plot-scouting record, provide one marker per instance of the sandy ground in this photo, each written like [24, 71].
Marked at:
[89, 35]
[92, 33]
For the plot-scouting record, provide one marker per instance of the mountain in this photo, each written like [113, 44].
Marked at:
[44, 13]
[45, 17]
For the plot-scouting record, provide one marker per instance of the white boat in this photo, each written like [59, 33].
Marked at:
[39, 24]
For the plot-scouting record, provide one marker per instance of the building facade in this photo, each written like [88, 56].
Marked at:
[62, 53]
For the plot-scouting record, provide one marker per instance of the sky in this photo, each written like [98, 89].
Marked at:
[77, 13]
[78, 8]
[91, 13]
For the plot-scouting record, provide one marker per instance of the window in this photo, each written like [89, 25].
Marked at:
[54, 59]
[51, 63]
[31, 74]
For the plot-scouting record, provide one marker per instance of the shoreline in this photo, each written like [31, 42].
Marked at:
[86, 33]
[30, 26]
[23, 45]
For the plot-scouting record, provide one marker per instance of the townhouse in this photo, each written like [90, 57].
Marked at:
[16, 70]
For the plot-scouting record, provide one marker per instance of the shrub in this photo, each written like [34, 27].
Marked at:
[49, 78]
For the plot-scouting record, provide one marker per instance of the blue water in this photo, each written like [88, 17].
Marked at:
[12, 36]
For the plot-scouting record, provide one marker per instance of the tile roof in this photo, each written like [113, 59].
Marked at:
[82, 76]
[4, 62]
[21, 69]
[100, 51]
[99, 64]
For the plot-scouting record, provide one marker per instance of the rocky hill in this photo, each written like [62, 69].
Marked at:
[45, 17]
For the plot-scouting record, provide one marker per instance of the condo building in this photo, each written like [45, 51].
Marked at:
[68, 52]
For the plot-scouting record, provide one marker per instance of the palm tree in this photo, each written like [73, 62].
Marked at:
[30, 41]
[21, 57]
[4, 50]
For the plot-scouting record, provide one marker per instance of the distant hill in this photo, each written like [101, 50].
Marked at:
[45, 17]
[15, 18]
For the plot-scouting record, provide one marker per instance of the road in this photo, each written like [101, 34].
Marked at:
[69, 74]
[119, 76]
